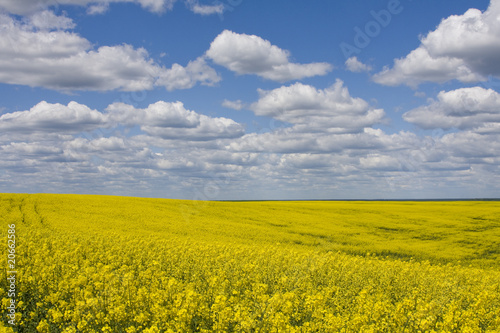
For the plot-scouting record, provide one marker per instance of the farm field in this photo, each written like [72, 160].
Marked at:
[122, 264]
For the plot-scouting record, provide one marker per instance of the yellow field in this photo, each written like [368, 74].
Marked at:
[116, 264]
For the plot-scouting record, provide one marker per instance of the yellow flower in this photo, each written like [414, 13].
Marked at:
[43, 327]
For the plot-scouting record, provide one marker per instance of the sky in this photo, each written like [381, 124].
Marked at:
[251, 100]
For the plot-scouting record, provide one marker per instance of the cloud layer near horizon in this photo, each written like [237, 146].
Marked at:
[66, 145]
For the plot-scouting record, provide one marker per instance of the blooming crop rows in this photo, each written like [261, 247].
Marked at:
[160, 271]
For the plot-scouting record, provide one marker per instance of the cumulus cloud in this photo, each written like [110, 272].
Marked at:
[24, 42]
[473, 37]
[465, 108]
[321, 121]
[46, 117]
[178, 77]
[173, 121]
[310, 109]
[167, 120]
[208, 129]
[290, 140]
[250, 54]
[469, 148]
[380, 162]
[463, 47]
[354, 65]
[39, 54]
[159, 114]
[72, 145]
[419, 66]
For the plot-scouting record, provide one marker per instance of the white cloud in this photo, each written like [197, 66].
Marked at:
[159, 114]
[380, 162]
[235, 105]
[473, 37]
[463, 47]
[30, 150]
[196, 8]
[465, 108]
[47, 117]
[354, 65]
[472, 148]
[98, 9]
[43, 58]
[290, 140]
[250, 54]
[172, 121]
[323, 121]
[74, 146]
[24, 44]
[167, 120]
[488, 128]
[419, 66]
[310, 109]
[208, 129]
[155, 6]
[178, 77]
[47, 20]
[307, 161]
[24, 7]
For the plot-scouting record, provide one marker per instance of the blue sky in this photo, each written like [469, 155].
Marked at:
[239, 99]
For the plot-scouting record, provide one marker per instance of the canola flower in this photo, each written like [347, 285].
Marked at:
[109, 264]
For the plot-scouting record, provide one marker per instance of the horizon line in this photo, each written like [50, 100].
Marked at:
[262, 200]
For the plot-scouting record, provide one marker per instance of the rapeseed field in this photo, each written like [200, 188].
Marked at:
[118, 264]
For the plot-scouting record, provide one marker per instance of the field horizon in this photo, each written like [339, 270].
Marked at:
[430, 199]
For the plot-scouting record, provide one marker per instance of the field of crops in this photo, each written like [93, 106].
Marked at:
[118, 264]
